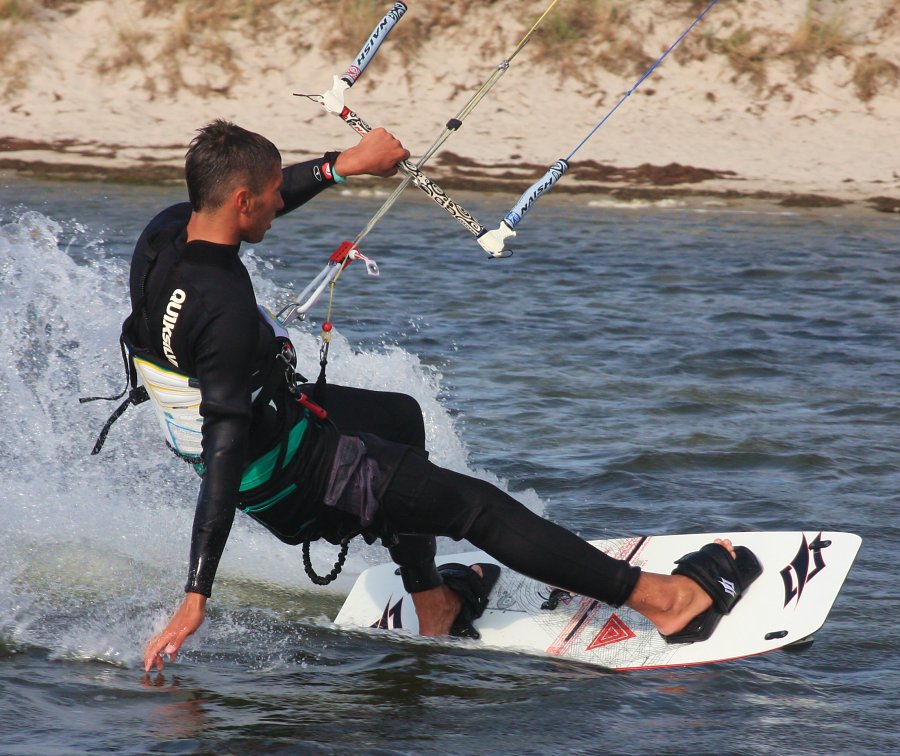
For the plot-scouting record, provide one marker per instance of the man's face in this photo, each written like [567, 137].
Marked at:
[262, 209]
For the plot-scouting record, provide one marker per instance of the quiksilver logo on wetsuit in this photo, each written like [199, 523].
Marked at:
[173, 310]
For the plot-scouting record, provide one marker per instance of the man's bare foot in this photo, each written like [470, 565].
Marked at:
[671, 601]
[437, 608]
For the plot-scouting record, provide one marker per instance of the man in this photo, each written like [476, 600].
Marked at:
[267, 451]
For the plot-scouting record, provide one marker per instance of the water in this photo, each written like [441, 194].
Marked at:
[629, 370]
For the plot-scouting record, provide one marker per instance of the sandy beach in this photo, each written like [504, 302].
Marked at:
[746, 107]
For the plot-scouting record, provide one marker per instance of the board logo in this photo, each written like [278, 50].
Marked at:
[802, 569]
[614, 630]
[391, 617]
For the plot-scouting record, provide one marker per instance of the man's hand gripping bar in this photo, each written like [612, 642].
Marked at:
[491, 242]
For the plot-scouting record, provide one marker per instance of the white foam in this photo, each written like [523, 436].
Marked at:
[84, 529]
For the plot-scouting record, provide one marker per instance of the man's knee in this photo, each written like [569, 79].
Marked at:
[407, 413]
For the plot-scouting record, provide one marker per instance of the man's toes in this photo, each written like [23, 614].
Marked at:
[728, 545]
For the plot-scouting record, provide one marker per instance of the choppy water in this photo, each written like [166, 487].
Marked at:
[630, 370]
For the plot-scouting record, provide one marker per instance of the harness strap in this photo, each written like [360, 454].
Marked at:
[136, 396]
[129, 375]
[320, 392]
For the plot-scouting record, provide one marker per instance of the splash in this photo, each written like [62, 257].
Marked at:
[96, 546]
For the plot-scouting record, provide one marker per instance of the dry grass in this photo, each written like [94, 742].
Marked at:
[573, 31]
[357, 19]
[890, 16]
[25, 10]
[195, 37]
[749, 52]
[693, 7]
[13, 73]
[255, 15]
[816, 38]
[124, 51]
[13, 15]
[18, 10]
[575, 23]
[583, 35]
[872, 73]
[578, 38]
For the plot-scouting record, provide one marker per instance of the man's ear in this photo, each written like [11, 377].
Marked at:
[242, 199]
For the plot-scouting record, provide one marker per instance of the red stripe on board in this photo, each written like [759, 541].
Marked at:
[587, 609]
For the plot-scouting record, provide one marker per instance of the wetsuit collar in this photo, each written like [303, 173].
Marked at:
[200, 249]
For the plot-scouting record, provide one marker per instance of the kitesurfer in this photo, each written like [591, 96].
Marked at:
[363, 469]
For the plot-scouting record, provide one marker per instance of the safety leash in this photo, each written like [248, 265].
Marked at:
[335, 570]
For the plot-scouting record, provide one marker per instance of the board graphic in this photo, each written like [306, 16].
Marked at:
[803, 572]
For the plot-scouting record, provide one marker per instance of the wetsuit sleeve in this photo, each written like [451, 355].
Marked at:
[225, 350]
[303, 181]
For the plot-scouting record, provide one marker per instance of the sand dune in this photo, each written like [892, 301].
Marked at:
[108, 89]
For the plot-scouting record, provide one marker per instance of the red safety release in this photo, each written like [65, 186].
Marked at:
[340, 254]
[304, 401]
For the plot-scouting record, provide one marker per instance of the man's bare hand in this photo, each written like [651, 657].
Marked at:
[184, 623]
[377, 154]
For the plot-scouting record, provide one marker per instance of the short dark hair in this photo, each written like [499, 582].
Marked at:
[222, 156]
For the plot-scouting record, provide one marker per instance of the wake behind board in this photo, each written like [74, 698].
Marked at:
[802, 575]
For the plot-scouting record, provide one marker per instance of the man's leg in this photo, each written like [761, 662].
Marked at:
[392, 416]
[424, 498]
[398, 418]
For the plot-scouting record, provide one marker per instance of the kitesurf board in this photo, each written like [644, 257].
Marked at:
[802, 575]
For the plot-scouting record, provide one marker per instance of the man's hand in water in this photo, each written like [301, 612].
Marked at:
[184, 623]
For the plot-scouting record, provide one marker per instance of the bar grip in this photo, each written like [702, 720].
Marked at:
[379, 34]
[543, 184]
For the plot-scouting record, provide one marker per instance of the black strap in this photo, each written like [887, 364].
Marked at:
[137, 395]
[320, 393]
[130, 379]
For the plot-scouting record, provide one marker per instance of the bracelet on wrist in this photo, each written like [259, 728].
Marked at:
[338, 179]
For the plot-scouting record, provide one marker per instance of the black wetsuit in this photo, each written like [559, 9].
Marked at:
[194, 309]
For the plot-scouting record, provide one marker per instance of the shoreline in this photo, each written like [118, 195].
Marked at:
[70, 160]
[750, 107]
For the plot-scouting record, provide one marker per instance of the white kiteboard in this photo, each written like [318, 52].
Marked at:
[802, 575]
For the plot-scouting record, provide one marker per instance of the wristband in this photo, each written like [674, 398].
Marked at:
[338, 179]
